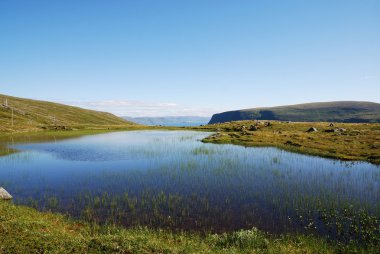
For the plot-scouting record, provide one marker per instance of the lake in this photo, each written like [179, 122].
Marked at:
[169, 179]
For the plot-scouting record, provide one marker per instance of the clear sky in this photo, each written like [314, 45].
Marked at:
[194, 57]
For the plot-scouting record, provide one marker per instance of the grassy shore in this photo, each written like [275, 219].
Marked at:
[25, 230]
[345, 141]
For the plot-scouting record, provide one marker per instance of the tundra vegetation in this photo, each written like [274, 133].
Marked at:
[344, 141]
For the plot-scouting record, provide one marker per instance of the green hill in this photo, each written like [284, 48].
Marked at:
[340, 111]
[34, 115]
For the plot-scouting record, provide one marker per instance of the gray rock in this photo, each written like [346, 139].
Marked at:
[4, 195]
[312, 129]
[342, 129]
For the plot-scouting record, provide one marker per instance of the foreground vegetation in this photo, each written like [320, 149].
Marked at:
[345, 141]
[24, 230]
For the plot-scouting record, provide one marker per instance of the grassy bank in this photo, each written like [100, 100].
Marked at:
[25, 230]
[346, 141]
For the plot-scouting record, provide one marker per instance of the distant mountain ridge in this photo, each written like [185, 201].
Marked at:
[26, 114]
[337, 111]
[170, 120]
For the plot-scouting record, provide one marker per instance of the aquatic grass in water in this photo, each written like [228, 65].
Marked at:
[168, 179]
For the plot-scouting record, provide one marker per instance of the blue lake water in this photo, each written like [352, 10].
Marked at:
[170, 179]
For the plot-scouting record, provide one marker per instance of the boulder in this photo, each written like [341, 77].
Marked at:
[4, 195]
[332, 130]
[253, 128]
[331, 125]
[312, 129]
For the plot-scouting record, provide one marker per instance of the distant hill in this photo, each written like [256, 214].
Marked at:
[170, 120]
[339, 111]
[32, 114]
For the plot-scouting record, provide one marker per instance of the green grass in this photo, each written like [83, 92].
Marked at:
[33, 115]
[359, 141]
[25, 230]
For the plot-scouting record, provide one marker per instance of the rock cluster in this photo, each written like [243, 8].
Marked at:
[336, 130]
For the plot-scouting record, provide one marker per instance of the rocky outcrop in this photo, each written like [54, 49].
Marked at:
[4, 195]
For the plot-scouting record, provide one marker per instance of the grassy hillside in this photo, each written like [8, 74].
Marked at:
[31, 115]
[24, 230]
[341, 111]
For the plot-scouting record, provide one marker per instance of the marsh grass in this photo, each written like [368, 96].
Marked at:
[24, 230]
[202, 150]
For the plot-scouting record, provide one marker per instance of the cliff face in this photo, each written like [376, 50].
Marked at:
[344, 111]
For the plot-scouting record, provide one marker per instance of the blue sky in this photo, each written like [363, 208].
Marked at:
[155, 58]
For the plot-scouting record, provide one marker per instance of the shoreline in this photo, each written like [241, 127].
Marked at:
[359, 142]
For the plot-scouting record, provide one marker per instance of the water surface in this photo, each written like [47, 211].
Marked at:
[170, 179]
